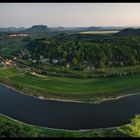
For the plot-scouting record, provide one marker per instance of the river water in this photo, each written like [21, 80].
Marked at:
[67, 115]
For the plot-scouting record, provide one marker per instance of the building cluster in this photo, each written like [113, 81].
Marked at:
[25, 54]
[7, 63]
[18, 35]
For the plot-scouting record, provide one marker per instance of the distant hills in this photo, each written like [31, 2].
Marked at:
[36, 28]
[33, 29]
[81, 29]
[45, 29]
[12, 29]
[129, 31]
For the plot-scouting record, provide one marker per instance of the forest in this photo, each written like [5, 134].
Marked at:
[112, 52]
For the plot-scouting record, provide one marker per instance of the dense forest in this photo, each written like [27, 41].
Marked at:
[115, 51]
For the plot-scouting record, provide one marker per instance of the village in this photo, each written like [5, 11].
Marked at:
[18, 35]
[5, 62]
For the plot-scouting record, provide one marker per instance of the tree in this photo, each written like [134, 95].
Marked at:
[101, 64]
[132, 129]
[132, 60]
[74, 61]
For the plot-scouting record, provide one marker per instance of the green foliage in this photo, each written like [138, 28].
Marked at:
[101, 65]
[116, 51]
[132, 129]
[10, 47]
[17, 85]
[74, 61]
[132, 60]
[12, 129]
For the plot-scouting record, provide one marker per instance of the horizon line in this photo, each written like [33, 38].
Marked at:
[70, 26]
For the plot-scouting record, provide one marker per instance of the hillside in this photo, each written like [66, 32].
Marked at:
[129, 31]
[36, 28]
[12, 29]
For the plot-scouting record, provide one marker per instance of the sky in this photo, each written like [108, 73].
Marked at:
[69, 14]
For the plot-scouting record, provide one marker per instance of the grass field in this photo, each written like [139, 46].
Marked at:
[12, 128]
[91, 89]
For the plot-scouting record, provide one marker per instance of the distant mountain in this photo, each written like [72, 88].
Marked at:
[12, 29]
[107, 28]
[80, 29]
[89, 28]
[44, 29]
[37, 29]
[129, 31]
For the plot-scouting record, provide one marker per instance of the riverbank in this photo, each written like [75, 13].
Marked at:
[71, 89]
[80, 130]
[61, 100]
[27, 130]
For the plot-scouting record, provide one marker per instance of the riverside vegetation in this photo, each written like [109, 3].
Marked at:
[12, 128]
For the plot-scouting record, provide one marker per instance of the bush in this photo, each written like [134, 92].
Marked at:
[17, 85]
[133, 129]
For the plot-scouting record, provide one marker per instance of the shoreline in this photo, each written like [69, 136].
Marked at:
[67, 130]
[65, 100]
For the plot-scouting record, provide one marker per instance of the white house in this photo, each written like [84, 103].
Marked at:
[55, 61]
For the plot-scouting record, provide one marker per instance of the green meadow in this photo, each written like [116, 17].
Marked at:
[90, 89]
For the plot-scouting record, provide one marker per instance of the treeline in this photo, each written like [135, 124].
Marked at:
[45, 69]
[117, 51]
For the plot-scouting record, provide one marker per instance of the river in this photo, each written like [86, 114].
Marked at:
[67, 115]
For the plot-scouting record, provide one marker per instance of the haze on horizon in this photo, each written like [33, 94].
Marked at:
[69, 14]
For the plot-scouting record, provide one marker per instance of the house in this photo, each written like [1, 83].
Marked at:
[44, 60]
[121, 63]
[34, 61]
[67, 65]
[14, 58]
[55, 61]
[1, 63]
[8, 63]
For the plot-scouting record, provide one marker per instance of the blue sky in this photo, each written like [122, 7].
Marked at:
[69, 14]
